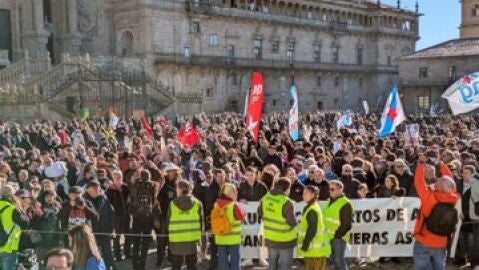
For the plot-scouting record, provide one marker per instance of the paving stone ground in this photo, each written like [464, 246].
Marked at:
[405, 264]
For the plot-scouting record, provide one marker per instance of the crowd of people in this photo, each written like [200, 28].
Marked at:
[86, 194]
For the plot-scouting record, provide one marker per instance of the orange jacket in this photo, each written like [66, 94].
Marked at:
[429, 198]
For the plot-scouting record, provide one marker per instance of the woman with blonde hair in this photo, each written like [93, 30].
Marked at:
[227, 239]
[85, 250]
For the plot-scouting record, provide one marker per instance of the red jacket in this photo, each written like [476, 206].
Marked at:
[429, 198]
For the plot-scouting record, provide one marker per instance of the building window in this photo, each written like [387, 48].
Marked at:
[423, 72]
[475, 11]
[317, 52]
[213, 40]
[209, 92]
[274, 102]
[336, 81]
[275, 46]
[452, 73]
[231, 51]
[291, 102]
[335, 50]
[360, 55]
[195, 27]
[423, 102]
[187, 52]
[318, 81]
[319, 105]
[360, 82]
[126, 42]
[258, 48]
[233, 79]
[388, 61]
[290, 52]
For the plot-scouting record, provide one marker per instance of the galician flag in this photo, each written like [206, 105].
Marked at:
[293, 121]
[463, 95]
[393, 113]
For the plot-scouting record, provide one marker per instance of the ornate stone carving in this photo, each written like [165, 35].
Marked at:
[87, 17]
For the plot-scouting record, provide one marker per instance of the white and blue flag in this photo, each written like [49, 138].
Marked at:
[393, 113]
[463, 95]
[293, 121]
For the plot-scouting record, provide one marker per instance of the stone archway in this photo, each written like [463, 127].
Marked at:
[126, 43]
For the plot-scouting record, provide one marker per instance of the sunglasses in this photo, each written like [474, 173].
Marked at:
[333, 189]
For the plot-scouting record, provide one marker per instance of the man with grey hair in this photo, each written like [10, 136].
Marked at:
[316, 178]
[12, 221]
[430, 249]
[350, 183]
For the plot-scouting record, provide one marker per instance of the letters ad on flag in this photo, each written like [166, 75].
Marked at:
[293, 121]
[255, 104]
[393, 113]
[463, 95]
[381, 228]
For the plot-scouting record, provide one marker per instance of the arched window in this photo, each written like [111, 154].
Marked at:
[126, 43]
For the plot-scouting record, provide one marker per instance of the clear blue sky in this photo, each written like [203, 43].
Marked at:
[439, 23]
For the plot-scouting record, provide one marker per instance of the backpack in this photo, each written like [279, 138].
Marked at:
[220, 224]
[4, 236]
[443, 219]
[143, 205]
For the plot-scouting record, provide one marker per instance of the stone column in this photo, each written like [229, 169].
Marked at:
[34, 35]
[72, 17]
[38, 20]
[71, 39]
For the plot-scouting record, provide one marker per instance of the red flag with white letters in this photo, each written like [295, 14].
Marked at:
[188, 135]
[254, 110]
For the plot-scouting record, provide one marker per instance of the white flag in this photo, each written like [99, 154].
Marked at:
[463, 95]
[365, 107]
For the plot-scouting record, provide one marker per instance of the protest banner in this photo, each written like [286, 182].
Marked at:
[381, 228]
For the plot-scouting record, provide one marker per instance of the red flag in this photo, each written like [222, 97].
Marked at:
[255, 104]
[146, 126]
[188, 135]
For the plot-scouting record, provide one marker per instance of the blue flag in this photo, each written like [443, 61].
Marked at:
[393, 113]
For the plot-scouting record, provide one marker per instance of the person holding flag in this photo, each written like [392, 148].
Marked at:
[393, 113]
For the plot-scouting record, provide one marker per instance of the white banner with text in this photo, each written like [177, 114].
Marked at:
[381, 228]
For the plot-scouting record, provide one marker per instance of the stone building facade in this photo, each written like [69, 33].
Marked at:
[426, 74]
[338, 52]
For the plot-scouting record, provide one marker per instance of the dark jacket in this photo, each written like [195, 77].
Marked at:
[360, 175]
[211, 194]
[406, 181]
[288, 214]
[165, 196]
[350, 187]
[185, 202]
[312, 219]
[383, 192]
[105, 213]
[323, 188]
[72, 216]
[296, 191]
[119, 199]
[253, 192]
[274, 159]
